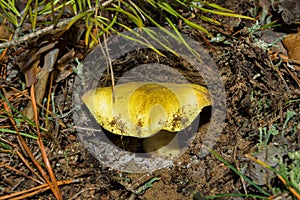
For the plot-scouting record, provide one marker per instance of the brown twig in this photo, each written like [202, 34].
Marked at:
[30, 192]
[269, 61]
[292, 190]
[16, 148]
[49, 99]
[288, 60]
[19, 172]
[5, 50]
[43, 107]
[55, 190]
[292, 74]
[36, 163]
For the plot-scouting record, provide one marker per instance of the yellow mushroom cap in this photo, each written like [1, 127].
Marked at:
[141, 109]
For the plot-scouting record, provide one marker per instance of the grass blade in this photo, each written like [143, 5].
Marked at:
[239, 173]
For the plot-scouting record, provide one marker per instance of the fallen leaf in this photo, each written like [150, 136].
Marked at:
[62, 65]
[141, 109]
[42, 77]
[28, 63]
[63, 61]
[30, 74]
[4, 32]
[292, 44]
[289, 10]
[272, 37]
[45, 48]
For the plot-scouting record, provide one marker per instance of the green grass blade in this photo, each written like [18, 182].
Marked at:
[74, 6]
[218, 7]
[10, 17]
[32, 136]
[133, 8]
[182, 40]
[9, 11]
[27, 7]
[4, 146]
[77, 17]
[10, 5]
[167, 7]
[208, 19]
[157, 24]
[170, 10]
[196, 26]
[88, 34]
[33, 23]
[150, 33]
[136, 40]
[225, 14]
[110, 25]
[153, 3]
[79, 5]
[17, 112]
[138, 21]
[239, 173]
[60, 13]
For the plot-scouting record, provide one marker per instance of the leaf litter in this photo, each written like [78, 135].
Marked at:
[259, 95]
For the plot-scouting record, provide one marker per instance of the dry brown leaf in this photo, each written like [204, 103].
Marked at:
[28, 63]
[4, 33]
[41, 84]
[62, 65]
[292, 44]
[30, 74]
[45, 48]
[65, 59]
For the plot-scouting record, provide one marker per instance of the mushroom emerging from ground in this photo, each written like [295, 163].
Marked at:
[142, 109]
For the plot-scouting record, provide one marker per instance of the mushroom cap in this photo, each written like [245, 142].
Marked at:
[141, 109]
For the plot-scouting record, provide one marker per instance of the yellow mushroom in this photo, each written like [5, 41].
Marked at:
[141, 109]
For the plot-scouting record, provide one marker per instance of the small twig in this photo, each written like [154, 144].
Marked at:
[30, 192]
[42, 107]
[269, 61]
[35, 34]
[288, 60]
[19, 172]
[17, 184]
[292, 75]
[29, 153]
[291, 189]
[55, 190]
[5, 50]
[22, 144]
[110, 68]
[49, 99]
[30, 36]
[109, 62]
